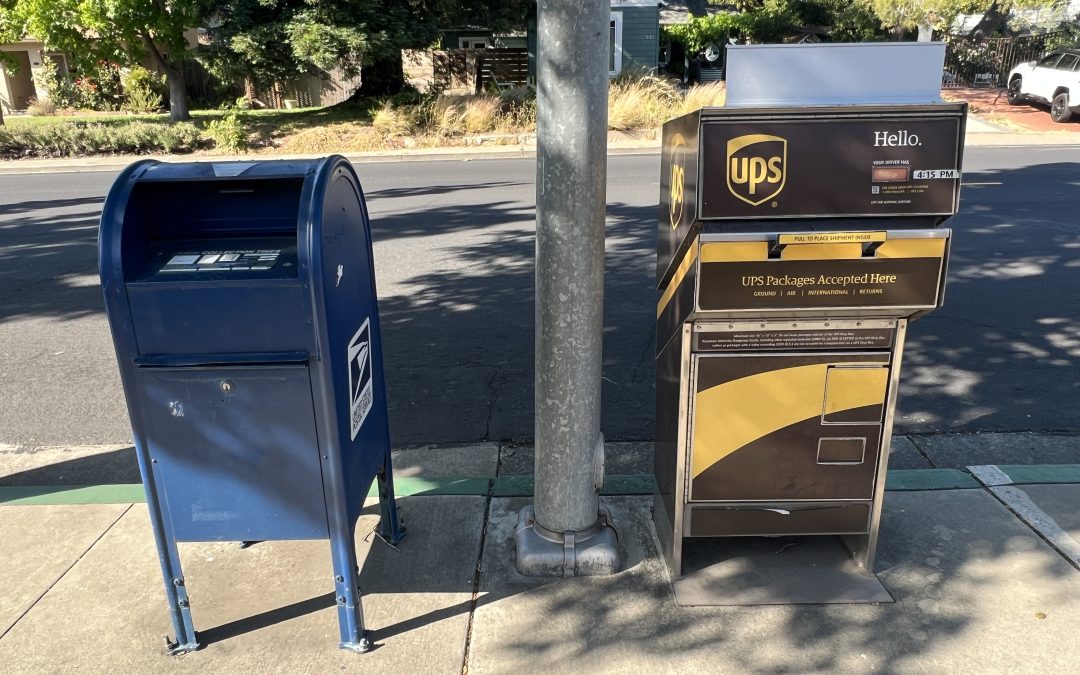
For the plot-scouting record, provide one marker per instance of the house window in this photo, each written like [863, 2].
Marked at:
[473, 43]
[615, 44]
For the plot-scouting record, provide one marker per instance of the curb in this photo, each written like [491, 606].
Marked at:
[464, 154]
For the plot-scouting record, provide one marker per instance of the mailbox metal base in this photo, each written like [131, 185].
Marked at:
[176, 649]
[360, 647]
[543, 553]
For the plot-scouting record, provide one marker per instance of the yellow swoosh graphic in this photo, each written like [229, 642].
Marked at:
[731, 415]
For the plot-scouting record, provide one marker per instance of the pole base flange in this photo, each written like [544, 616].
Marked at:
[362, 646]
[539, 552]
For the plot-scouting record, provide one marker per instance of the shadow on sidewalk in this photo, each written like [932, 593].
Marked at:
[99, 468]
[265, 619]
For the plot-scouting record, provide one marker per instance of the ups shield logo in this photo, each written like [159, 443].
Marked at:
[677, 192]
[756, 167]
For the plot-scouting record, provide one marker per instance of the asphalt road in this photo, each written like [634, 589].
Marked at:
[454, 247]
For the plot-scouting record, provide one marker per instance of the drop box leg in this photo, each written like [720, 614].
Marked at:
[391, 529]
[347, 584]
[177, 596]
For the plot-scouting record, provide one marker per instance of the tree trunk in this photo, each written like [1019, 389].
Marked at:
[178, 99]
[1, 115]
[381, 77]
[926, 32]
[174, 78]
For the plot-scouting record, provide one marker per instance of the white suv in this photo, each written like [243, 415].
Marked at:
[1049, 79]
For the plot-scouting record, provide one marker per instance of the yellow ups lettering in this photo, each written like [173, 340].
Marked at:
[677, 183]
[755, 171]
[756, 167]
[775, 172]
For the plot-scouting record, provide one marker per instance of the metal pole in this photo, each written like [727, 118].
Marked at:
[566, 533]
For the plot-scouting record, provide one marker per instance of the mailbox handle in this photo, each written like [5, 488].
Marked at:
[785, 510]
[249, 359]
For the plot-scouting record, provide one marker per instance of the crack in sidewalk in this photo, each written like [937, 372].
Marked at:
[475, 599]
[33, 603]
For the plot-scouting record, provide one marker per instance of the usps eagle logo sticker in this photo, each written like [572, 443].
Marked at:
[361, 391]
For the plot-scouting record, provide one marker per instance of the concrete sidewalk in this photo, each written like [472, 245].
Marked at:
[984, 579]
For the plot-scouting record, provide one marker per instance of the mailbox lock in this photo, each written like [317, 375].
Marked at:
[226, 386]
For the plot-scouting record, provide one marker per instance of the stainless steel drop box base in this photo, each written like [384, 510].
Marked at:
[773, 571]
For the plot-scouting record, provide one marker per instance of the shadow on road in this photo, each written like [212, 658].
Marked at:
[459, 342]
[48, 259]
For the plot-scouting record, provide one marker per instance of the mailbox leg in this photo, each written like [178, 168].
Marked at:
[391, 529]
[354, 637]
[169, 558]
[175, 586]
[179, 606]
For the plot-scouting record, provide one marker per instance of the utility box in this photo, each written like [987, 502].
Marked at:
[794, 246]
[242, 302]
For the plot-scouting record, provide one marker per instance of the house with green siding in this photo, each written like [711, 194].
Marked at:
[634, 36]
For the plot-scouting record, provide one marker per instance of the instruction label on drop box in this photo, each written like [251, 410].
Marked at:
[209, 261]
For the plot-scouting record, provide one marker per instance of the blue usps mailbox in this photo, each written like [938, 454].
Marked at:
[242, 303]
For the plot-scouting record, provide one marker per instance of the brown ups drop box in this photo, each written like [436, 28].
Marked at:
[795, 246]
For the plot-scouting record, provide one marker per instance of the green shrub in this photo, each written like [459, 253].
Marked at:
[60, 87]
[144, 91]
[95, 89]
[99, 89]
[228, 133]
[72, 139]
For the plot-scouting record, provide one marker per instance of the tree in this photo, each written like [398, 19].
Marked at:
[930, 15]
[270, 40]
[773, 20]
[128, 32]
[8, 28]
[847, 21]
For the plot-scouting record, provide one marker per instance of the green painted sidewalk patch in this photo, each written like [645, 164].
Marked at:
[1032, 474]
[522, 485]
[59, 495]
[133, 493]
[900, 480]
[435, 487]
[513, 486]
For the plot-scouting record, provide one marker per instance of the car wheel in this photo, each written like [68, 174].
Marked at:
[1014, 96]
[1059, 108]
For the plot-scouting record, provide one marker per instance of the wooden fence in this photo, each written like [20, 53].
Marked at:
[310, 90]
[466, 71]
[502, 68]
[307, 91]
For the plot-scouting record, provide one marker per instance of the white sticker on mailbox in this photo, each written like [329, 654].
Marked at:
[361, 391]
